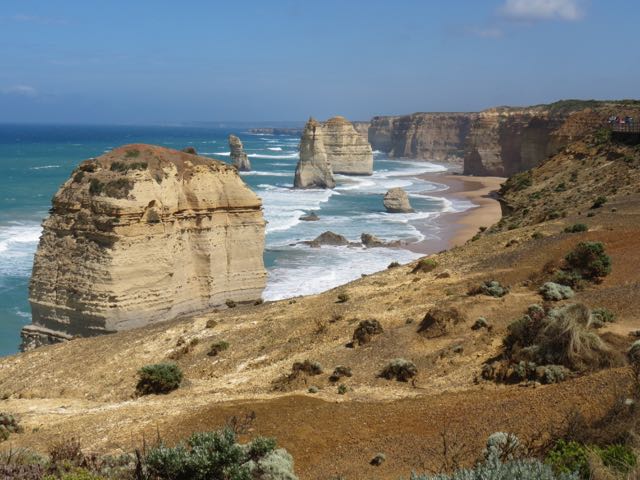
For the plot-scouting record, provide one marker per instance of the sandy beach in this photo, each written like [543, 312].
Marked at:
[457, 228]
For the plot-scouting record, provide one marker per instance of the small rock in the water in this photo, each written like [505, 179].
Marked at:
[396, 200]
[311, 217]
[328, 238]
[371, 241]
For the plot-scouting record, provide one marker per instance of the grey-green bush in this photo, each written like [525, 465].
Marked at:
[158, 378]
[400, 369]
[555, 292]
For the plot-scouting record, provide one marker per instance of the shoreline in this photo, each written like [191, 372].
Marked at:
[456, 228]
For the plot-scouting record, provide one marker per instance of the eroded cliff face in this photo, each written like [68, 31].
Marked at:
[313, 169]
[348, 152]
[429, 136]
[502, 142]
[143, 234]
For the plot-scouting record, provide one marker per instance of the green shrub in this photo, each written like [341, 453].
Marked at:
[570, 279]
[480, 323]
[342, 389]
[76, 474]
[218, 347]
[425, 265]
[618, 457]
[119, 188]
[95, 186]
[576, 228]
[365, 331]
[554, 291]
[125, 167]
[517, 182]
[602, 315]
[8, 425]
[230, 303]
[599, 202]
[340, 372]
[159, 378]
[537, 235]
[218, 455]
[378, 460]
[569, 457]
[602, 136]
[634, 353]
[491, 288]
[589, 260]
[394, 265]
[399, 369]
[132, 154]
[343, 297]
[308, 367]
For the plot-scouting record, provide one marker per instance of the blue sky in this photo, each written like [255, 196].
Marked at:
[161, 61]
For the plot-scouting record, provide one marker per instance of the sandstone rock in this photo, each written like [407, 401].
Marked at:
[313, 170]
[239, 158]
[348, 152]
[371, 241]
[396, 200]
[144, 234]
[311, 217]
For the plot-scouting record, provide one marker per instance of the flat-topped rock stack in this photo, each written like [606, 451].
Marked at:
[334, 146]
[143, 234]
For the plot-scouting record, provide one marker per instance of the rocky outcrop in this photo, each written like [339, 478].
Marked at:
[347, 151]
[144, 234]
[313, 169]
[396, 200]
[328, 238]
[311, 217]
[430, 136]
[238, 156]
[371, 241]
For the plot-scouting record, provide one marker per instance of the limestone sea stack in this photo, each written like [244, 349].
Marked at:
[313, 169]
[347, 150]
[143, 234]
[238, 156]
[396, 200]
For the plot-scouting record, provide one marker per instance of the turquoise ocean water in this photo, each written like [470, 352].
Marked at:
[36, 160]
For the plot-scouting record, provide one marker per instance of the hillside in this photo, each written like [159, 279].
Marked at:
[85, 388]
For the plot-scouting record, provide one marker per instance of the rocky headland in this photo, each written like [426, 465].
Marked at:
[495, 142]
[348, 152]
[238, 155]
[143, 234]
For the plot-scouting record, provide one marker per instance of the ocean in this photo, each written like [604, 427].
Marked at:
[36, 160]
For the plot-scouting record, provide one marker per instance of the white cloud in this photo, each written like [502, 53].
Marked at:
[536, 10]
[20, 91]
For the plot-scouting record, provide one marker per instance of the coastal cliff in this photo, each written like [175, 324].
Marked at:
[498, 141]
[431, 136]
[143, 234]
[348, 152]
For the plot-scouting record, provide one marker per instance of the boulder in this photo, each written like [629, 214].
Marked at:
[311, 217]
[371, 241]
[140, 235]
[396, 200]
[313, 169]
[238, 157]
[328, 238]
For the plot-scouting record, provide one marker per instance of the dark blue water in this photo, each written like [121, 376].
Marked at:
[36, 160]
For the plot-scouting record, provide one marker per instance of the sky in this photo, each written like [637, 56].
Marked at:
[164, 61]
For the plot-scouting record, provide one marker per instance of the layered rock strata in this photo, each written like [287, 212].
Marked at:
[313, 169]
[143, 234]
[347, 150]
[238, 155]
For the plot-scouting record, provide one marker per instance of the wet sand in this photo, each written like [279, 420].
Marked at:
[457, 228]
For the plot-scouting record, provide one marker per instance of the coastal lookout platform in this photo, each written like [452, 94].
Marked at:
[628, 133]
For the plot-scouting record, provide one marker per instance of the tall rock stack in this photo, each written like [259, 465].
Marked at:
[347, 150]
[143, 234]
[238, 156]
[313, 170]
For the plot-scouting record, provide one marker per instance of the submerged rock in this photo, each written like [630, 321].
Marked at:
[313, 170]
[311, 217]
[396, 200]
[238, 156]
[328, 238]
[371, 241]
[144, 234]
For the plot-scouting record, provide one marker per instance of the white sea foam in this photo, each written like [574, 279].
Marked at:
[264, 155]
[265, 174]
[296, 273]
[275, 149]
[284, 206]
[18, 242]
[44, 167]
